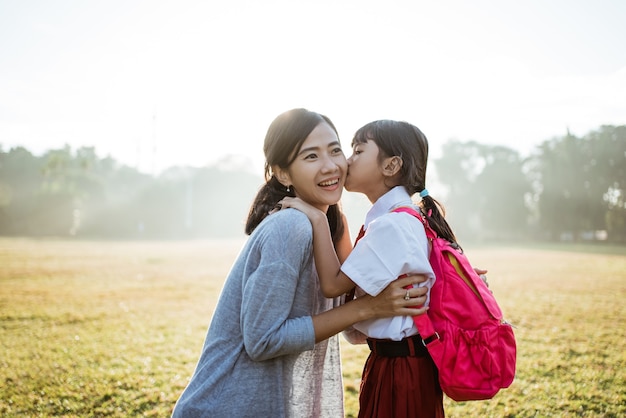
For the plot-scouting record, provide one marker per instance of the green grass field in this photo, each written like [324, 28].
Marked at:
[115, 328]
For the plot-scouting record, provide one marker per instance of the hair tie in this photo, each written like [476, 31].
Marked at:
[423, 193]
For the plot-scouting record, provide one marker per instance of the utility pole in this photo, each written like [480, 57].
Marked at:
[154, 142]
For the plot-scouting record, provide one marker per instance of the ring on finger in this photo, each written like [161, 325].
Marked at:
[407, 296]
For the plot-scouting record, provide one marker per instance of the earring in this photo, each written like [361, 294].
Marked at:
[288, 189]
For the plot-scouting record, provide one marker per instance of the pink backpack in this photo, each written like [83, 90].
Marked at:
[472, 346]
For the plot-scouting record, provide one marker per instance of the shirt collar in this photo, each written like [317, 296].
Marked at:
[398, 196]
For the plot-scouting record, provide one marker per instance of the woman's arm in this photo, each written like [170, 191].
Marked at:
[333, 281]
[390, 302]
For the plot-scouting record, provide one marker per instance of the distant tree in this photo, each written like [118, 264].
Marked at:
[564, 187]
[457, 169]
[72, 184]
[500, 193]
[191, 202]
[578, 179]
[222, 195]
[20, 177]
[609, 145]
[117, 210]
[487, 189]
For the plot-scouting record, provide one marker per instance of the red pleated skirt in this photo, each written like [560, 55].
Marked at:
[398, 387]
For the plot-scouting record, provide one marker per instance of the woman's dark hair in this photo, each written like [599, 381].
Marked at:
[396, 138]
[283, 141]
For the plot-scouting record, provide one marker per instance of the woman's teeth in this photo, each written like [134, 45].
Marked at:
[329, 183]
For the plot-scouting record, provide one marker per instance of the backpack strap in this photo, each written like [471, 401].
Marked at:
[430, 233]
[430, 337]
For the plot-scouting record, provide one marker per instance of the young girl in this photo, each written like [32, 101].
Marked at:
[388, 165]
[271, 349]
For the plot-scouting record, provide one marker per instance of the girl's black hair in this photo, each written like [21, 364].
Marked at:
[397, 138]
[283, 141]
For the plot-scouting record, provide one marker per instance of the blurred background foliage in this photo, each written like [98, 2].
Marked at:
[569, 189]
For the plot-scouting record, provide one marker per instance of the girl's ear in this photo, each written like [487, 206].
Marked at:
[282, 176]
[392, 166]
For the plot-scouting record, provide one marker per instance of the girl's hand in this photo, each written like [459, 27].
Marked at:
[295, 202]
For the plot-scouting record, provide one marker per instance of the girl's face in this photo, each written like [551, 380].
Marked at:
[319, 171]
[365, 171]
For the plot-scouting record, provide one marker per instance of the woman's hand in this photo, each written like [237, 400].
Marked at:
[393, 301]
[390, 302]
[482, 273]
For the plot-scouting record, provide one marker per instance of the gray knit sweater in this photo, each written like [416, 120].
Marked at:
[260, 358]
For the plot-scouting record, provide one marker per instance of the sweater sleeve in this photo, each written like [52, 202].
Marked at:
[274, 318]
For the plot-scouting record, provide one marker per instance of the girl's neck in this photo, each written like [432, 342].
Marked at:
[374, 195]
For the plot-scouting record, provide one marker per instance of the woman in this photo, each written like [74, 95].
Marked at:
[269, 351]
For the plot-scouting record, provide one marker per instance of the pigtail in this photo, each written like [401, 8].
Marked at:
[273, 192]
[266, 199]
[435, 214]
[335, 221]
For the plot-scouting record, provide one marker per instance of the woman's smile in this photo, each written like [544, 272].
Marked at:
[331, 184]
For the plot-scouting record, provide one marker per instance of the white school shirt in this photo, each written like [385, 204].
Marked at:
[394, 244]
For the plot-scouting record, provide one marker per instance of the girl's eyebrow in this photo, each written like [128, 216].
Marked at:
[330, 144]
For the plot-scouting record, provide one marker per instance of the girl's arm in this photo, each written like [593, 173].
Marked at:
[332, 280]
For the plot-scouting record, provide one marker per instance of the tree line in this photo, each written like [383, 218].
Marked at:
[76, 193]
[569, 188]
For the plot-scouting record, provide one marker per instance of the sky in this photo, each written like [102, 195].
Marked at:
[156, 83]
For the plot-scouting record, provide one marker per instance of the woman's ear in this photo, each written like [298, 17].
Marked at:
[282, 176]
[392, 166]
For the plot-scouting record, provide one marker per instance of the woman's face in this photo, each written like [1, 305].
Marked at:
[319, 171]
